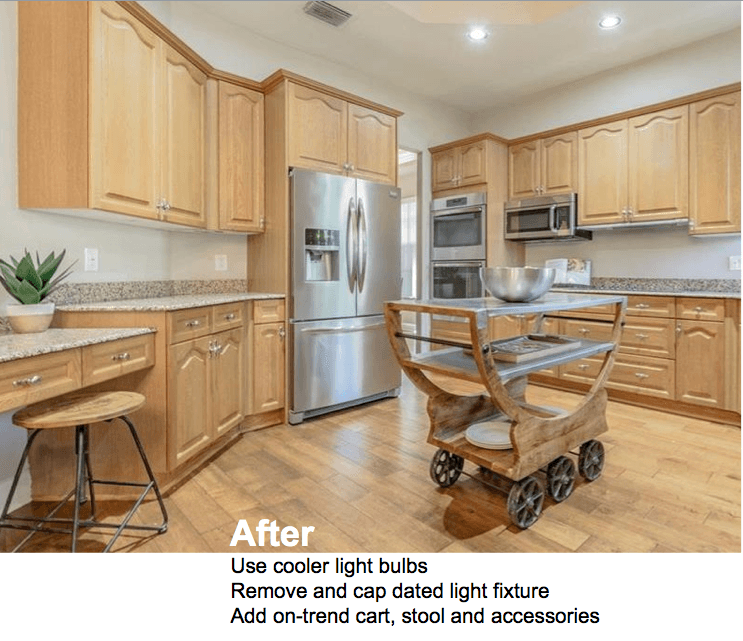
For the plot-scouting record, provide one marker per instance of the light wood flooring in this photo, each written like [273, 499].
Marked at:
[360, 477]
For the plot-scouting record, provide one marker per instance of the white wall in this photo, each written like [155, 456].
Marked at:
[649, 253]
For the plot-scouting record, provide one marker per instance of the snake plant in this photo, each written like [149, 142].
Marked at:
[28, 283]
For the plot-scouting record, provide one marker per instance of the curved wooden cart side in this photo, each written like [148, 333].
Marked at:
[537, 437]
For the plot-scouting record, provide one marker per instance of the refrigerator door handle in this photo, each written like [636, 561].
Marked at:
[341, 329]
[363, 248]
[351, 246]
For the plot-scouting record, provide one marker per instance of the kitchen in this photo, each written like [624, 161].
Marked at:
[376, 471]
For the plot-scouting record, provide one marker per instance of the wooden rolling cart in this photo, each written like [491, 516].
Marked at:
[541, 438]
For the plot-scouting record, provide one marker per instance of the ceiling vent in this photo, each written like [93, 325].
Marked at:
[327, 12]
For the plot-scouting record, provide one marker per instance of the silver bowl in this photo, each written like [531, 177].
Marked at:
[517, 284]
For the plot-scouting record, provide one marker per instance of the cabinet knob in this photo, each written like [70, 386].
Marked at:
[642, 337]
[26, 382]
[124, 356]
[193, 323]
[642, 306]
[229, 317]
[585, 331]
[642, 375]
[583, 367]
[698, 309]
[282, 332]
[678, 329]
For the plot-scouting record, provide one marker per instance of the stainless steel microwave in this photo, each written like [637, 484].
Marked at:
[458, 227]
[544, 219]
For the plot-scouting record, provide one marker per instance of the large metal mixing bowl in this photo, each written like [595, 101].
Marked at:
[517, 284]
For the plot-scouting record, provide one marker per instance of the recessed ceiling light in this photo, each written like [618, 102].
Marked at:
[609, 22]
[477, 33]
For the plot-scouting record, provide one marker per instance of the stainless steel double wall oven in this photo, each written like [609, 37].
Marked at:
[458, 245]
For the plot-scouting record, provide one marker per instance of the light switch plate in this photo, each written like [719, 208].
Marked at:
[734, 263]
[91, 259]
[220, 262]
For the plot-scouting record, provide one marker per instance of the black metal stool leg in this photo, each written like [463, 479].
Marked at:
[79, 482]
[18, 473]
[89, 473]
[147, 467]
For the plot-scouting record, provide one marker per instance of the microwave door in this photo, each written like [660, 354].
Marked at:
[530, 223]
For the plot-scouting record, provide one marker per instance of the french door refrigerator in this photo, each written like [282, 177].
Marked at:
[345, 263]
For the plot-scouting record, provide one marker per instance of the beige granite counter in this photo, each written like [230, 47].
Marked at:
[16, 346]
[575, 289]
[166, 303]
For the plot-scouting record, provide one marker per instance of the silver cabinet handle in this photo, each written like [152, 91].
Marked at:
[214, 349]
[642, 337]
[229, 317]
[583, 367]
[630, 213]
[698, 309]
[26, 382]
[679, 329]
[282, 332]
[263, 222]
[585, 331]
[642, 306]
[166, 205]
[193, 323]
[642, 376]
[124, 356]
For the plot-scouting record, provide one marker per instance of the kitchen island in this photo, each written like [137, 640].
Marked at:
[539, 437]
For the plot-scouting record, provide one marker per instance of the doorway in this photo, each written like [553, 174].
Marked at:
[409, 183]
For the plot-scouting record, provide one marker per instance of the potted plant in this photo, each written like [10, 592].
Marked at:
[30, 284]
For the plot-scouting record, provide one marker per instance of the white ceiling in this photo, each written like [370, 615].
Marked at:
[421, 46]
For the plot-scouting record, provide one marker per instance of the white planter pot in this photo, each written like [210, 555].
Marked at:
[29, 319]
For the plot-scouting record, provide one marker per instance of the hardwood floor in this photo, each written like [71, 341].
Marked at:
[360, 477]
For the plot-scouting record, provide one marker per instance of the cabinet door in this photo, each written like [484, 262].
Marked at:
[268, 367]
[444, 169]
[714, 165]
[523, 170]
[372, 145]
[183, 141]
[559, 163]
[700, 352]
[602, 173]
[125, 76]
[241, 169]
[227, 380]
[317, 130]
[472, 169]
[189, 418]
[659, 165]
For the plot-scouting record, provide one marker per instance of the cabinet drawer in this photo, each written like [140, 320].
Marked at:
[268, 311]
[108, 360]
[657, 306]
[593, 330]
[227, 316]
[584, 370]
[643, 375]
[706, 309]
[189, 323]
[29, 380]
[649, 336]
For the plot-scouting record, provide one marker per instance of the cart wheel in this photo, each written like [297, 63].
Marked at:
[525, 501]
[446, 467]
[591, 460]
[560, 478]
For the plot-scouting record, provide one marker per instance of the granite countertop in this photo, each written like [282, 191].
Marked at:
[16, 346]
[580, 289]
[165, 303]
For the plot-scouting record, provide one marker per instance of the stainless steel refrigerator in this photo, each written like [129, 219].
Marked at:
[345, 264]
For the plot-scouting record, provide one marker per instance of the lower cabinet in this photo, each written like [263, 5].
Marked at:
[268, 357]
[700, 352]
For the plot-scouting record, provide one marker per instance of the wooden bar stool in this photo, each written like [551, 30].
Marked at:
[79, 410]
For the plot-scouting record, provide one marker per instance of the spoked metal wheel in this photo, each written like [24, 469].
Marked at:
[591, 460]
[525, 501]
[561, 478]
[446, 467]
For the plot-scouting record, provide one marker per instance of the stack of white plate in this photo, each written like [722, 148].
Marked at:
[490, 435]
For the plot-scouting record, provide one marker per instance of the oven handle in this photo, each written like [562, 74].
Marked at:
[553, 218]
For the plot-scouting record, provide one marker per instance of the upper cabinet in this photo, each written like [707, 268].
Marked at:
[714, 165]
[634, 170]
[240, 159]
[328, 133]
[459, 166]
[543, 167]
[122, 127]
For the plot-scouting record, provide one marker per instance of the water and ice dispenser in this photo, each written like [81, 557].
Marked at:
[321, 254]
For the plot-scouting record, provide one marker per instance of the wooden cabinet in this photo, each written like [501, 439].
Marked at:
[543, 167]
[206, 379]
[327, 133]
[122, 125]
[240, 164]
[714, 165]
[635, 170]
[700, 352]
[268, 356]
[459, 166]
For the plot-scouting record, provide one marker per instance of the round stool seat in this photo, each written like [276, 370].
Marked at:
[81, 408]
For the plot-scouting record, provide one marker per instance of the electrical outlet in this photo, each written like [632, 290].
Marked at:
[91, 259]
[734, 263]
[220, 262]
